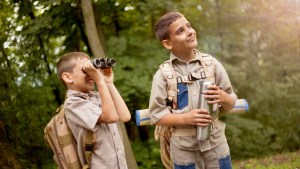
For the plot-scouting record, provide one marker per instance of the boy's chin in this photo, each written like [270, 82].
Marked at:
[194, 45]
[91, 88]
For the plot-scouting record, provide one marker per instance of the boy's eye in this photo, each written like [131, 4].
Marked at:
[179, 31]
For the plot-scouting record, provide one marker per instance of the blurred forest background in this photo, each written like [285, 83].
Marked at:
[258, 41]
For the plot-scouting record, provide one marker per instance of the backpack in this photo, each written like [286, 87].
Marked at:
[59, 137]
[163, 133]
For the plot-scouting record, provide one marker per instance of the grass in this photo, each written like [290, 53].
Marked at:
[279, 161]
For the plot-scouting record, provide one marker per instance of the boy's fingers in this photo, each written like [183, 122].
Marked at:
[212, 92]
[204, 116]
[202, 113]
[203, 123]
[214, 87]
[214, 101]
[107, 71]
[86, 65]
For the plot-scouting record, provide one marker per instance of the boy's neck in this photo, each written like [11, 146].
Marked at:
[185, 56]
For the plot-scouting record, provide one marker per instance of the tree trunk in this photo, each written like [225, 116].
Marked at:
[91, 30]
[131, 162]
[97, 49]
[97, 15]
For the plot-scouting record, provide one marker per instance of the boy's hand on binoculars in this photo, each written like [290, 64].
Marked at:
[198, 117]
[215, 94]
[108, 75]
[91, 71]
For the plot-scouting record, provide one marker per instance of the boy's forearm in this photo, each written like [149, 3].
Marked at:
[109, 113]
[194, 117]
[172, 120]
[120, 105]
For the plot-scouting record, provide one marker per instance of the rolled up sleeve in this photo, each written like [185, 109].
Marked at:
[83, 112]
[158, 98]
[222, 79]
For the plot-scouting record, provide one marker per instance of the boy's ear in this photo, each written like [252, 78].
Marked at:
[167, 44]
[66, 77]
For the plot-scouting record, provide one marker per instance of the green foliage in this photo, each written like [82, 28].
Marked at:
[141, 69]
[257, 42]
[244, 135]
[147, 154]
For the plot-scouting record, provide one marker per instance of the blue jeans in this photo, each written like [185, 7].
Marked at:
[224, 163]
[189, 166]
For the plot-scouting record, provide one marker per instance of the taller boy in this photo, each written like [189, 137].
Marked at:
[177, 35]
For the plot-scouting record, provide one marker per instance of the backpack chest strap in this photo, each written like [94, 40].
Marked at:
[169, 73]
[191, 77]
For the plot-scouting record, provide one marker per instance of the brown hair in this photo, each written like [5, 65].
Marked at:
[161, 27]
[67, 63]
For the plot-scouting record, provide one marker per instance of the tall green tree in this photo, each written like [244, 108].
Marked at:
[257, 41]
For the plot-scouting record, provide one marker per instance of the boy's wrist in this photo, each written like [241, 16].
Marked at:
[229, 102]
[110, 84]
[100, 83]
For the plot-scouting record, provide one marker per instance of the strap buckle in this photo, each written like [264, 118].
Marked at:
[88, 147]
[185, 79]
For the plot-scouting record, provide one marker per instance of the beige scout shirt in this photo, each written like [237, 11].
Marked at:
[82, 112]
[158, 108]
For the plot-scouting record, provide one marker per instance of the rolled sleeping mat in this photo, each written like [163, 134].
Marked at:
[241, 106]
[142, 117]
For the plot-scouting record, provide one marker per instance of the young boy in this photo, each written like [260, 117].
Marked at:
[97, 111]
[176, 34]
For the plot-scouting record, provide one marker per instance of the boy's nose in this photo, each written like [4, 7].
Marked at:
[191, 31]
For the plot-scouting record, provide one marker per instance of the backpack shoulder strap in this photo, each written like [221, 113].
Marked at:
[88, 140]
[162, 133]
[89, 144]
[209, 67]
[65, 140]
[168, 72]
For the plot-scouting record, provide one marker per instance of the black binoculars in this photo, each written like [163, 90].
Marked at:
[101, 63]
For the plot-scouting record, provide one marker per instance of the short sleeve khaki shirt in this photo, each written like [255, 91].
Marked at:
[82, 111]
[158, 98]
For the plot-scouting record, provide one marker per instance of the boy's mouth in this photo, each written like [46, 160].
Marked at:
[192, 39]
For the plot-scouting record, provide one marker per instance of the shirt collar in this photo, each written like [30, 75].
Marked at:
[80, 94]
[198, 57]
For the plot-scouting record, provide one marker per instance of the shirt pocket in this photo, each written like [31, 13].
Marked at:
[218, 130]
[182, 96]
